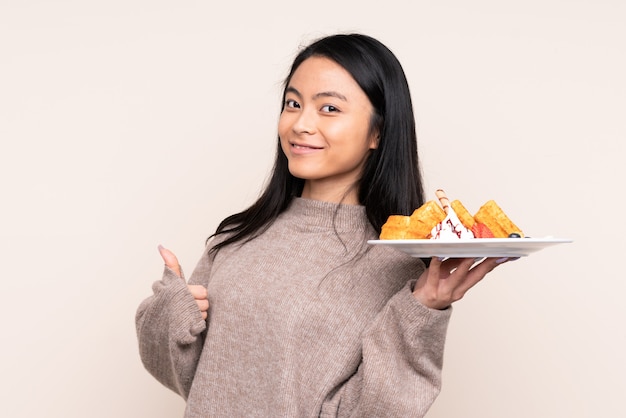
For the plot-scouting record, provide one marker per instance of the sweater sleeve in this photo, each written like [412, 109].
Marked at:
[170, 329]
[400, 373]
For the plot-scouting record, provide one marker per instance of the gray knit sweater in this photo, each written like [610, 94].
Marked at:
[306, 320]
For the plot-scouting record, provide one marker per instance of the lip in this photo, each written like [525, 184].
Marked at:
[302, 149]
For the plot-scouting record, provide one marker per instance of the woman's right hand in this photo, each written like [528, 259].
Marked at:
[198, 292]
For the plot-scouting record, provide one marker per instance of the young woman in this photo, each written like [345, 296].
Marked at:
[289, 313]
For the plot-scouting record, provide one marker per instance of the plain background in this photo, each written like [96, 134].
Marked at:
[128, 124]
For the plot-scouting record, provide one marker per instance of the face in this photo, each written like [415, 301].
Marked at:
[324, 130]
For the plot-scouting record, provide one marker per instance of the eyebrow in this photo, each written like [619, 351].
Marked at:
[318, 95]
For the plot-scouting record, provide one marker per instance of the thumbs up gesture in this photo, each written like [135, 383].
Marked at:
[198, 292]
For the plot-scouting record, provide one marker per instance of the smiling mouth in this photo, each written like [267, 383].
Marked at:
[296, 146]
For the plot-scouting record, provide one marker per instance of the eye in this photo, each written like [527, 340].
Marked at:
[292, 104]
[329, 109]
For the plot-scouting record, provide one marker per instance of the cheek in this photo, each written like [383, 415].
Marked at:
[282, 131]
[284, 145]
[284, 125]
[286, 120]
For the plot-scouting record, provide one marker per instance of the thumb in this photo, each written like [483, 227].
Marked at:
[170, 260]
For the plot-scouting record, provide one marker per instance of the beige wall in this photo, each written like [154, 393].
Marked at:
[128, 124]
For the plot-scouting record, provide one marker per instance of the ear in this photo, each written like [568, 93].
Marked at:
[374, 139]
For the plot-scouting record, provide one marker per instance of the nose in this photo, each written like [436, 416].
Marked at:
[305, 122]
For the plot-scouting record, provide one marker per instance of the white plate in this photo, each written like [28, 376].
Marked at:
[479, 247]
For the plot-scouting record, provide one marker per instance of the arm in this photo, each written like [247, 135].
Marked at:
[170, 324]
[400, 374]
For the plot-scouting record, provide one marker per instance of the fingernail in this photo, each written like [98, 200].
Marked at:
[501, 260]
[441, 258]
[514, 258]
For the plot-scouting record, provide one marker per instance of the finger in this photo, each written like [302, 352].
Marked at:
[454, 278]
[203, 305]
[170, 260]
[458, 264]
[427, 289]
[434, 270]
[478, 272]
[490, 263]
[198, 291]
[453, 272]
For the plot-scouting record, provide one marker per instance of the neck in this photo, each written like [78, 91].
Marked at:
[345, 195]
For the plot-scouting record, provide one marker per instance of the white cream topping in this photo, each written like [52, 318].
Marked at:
[451, 228]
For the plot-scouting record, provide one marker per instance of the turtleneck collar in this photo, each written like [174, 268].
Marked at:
[317, 213]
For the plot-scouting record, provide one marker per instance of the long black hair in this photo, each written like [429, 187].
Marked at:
[391, 183]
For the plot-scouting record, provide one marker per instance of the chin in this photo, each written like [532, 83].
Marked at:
[303, 173]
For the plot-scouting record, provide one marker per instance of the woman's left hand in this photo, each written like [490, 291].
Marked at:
[445, 282]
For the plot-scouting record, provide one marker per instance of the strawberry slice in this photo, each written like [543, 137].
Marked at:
[481, 231]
